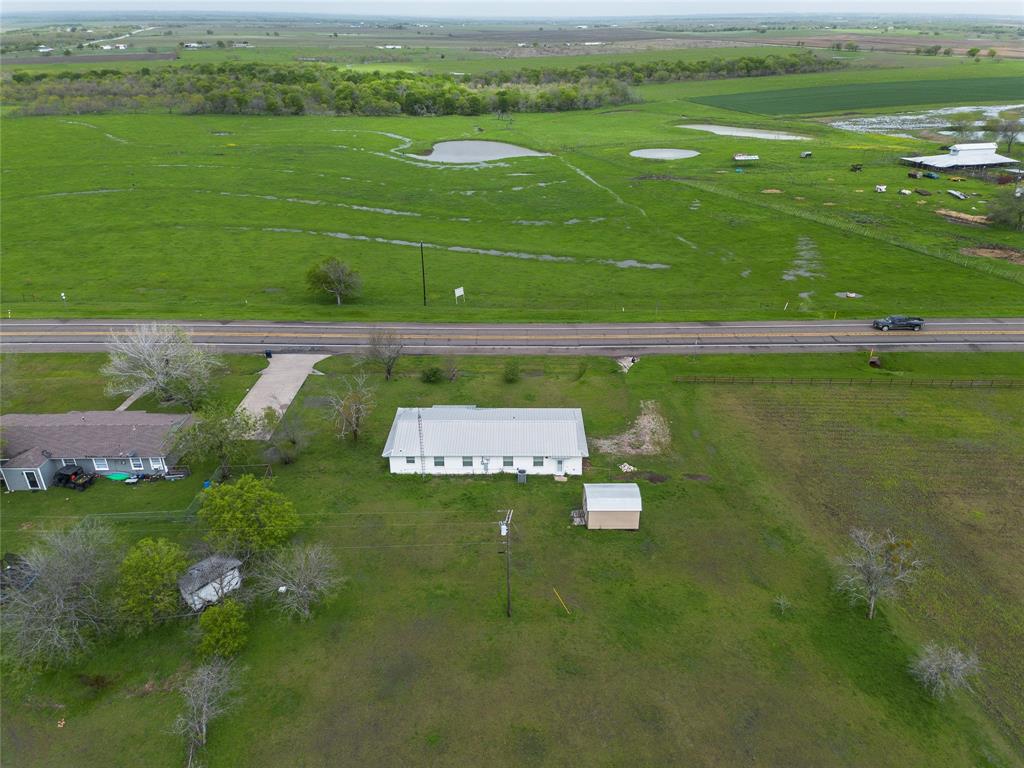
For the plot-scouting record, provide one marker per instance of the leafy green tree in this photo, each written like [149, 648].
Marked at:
[219, 433]
[147, 588]
[333, 277]
[247, 516]
[1007, 208]
[224, 630]
[972, 52]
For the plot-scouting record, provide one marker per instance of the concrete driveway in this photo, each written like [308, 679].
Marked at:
[278, 384]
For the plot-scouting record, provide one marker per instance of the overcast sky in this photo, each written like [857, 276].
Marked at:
[534, 8]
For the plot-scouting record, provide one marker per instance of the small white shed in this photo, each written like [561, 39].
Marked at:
[209, 580]
[613, 506]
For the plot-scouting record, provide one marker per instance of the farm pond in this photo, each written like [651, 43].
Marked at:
[747, 133]
[477, 152]
[664, 154]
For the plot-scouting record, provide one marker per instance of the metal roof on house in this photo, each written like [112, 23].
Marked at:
[612, 497]
[34, 437]
[206, 572]
[465, 430]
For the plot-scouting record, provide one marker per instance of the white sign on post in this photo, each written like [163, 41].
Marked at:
[460, 293]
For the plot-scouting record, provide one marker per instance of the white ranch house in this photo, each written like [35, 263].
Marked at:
[466, 440]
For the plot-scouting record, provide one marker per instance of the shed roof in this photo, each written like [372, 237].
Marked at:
[465, 430]
[207, 571]
[963, 156]
[612, 497]
[29, 437]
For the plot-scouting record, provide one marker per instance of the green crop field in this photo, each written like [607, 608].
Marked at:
[154, 210]
[837, 98]
[672, 653]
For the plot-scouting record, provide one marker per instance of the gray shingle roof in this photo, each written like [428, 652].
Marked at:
[85, 434]
[207, 571]
[465, 430]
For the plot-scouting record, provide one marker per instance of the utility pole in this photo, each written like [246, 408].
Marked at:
[423, 273]
[505, 527]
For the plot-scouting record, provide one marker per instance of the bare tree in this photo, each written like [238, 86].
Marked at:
[384, 350]
[161, 359]
[206, 694]
[350, 408]
[58, 602]
[941, 670]
[297, 578]
[335, 278]
[1007, 128]
[878, 567]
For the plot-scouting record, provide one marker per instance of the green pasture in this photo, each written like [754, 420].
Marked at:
[672, 653]
[220, 216]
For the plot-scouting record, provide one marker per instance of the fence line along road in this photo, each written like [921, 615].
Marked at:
[842, 382]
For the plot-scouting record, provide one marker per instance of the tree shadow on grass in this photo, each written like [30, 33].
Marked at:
[875, 660]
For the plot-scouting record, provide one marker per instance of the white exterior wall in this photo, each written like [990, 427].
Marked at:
[214, 591]
[453, 466]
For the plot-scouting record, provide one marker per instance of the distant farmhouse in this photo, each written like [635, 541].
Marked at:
[466, 440]
[964, 156]
[99, 441]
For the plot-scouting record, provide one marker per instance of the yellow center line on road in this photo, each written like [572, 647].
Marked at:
[440, 336]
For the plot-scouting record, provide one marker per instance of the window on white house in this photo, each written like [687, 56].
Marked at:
[67, 462]
[439, 461]
[101, 465]
[32, 479]
[157, 464]
[506, 461]
[538, 461]
[136, 463]
[410, 459]
[467, 461]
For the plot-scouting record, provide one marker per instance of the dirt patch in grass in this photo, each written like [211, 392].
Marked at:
[648, 435]
[698, 478]
[1012, 255]
[961, 218]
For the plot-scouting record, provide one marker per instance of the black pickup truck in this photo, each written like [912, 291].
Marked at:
[899, 323]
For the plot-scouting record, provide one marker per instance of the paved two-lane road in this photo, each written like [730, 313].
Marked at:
[1002, 334]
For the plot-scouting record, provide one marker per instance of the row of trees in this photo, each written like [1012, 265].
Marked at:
[310, 88]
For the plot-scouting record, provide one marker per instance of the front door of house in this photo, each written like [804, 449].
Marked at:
[32, 479]
[560, 466]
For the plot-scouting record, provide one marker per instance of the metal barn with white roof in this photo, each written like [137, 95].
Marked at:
[466, 440]
[980, 155]
[615, 506]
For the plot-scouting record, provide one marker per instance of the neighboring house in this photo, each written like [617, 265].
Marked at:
[466, 440]
[612, 506]
[99, 441]
[982, 155]
[121, 46]
[209, 580]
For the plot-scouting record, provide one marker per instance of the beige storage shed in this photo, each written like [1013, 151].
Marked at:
[613, 506]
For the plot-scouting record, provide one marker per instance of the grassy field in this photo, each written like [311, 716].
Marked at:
[54, 383]
[671, 654]
[155, 209]
[796, 101]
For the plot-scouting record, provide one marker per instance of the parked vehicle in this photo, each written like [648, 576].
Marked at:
[899, 323]
[931, 175]
[73, 476]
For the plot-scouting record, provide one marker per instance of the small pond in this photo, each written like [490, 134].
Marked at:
[664, 154]
[747, 133]
[477, 152]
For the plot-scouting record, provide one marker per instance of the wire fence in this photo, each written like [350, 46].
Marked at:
[837, 222]
[852, 381]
